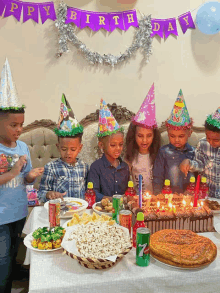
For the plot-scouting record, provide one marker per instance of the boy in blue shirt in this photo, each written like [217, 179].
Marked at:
[170, 156]
[15, 171]
[65, 176]
[207, 155]
[109, 174]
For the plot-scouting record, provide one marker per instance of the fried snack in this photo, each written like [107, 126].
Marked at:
[104, 202]
[85, 219]
[182, 248]
[98, 208]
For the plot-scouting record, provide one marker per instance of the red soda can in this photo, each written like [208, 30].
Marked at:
[54, 213]
[125, 219]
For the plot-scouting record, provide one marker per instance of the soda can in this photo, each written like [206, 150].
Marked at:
[117, 206]
[125, 219]
[143, 247]
[54, 213]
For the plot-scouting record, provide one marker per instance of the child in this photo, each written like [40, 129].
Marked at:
[65, 176]
[143, 143]
[15, 172]
[207, 155]
[170, 156]
[109, 174]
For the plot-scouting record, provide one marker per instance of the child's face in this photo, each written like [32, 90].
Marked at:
[112, 145]
[11, 126]
[213, 138]
[144, 138]
[179, 138]
[69, 148]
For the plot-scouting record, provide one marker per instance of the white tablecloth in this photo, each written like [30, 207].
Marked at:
[57, 273]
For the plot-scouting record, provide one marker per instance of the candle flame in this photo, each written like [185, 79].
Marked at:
[191, 204]
[158, 204]
[184, 202]
[198, 205]
[170, 205]
[202, 203]
[162, 207]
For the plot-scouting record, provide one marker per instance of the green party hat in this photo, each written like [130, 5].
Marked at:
[214, 119]
[179, 117]
[67, 123]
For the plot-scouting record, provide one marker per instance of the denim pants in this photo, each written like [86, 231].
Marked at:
[9, 242]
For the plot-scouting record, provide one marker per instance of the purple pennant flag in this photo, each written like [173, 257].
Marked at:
[157, 27]
[116, 21]
[47, 11]
[130, 19]
[102, 21]
[170, 27]
[2, 7]
[13, 8]
[30, 11]
[73, 15]
[186, 21]
[87, 19]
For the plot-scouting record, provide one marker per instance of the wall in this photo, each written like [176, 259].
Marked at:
[190, 62]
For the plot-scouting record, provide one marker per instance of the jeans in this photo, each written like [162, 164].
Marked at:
[9, 242]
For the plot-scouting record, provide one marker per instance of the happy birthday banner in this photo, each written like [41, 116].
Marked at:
[97, 20]
[166, 27]
[30, 10]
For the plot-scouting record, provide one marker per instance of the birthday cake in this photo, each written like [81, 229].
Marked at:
[173, 211]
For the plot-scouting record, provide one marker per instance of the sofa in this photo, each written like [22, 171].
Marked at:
[41, 139]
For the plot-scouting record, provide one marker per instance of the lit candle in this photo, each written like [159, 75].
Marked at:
[196, 195]
[170, 206]
[158, 206]
[202, 204]
[174, 208]
[184, 205]
[191, 204]
[140, 191]
[148, 196]
[163, 209]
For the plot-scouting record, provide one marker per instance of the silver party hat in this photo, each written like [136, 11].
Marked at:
[8, 95]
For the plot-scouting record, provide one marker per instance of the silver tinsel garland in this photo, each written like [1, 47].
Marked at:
[141, 40]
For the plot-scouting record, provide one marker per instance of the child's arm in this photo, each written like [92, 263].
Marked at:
[15, 171]
[93, 177]
[158, 173]
[195, 165]
[46, 186]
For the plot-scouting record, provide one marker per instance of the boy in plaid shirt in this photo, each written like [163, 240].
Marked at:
[65, 176]
[207, 155]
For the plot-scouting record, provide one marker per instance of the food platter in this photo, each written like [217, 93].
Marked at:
[100, 212]
[217, 201]
[27, 243]
[198, 267]
[77, 205]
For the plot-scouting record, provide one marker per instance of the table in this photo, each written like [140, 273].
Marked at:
[57, 273]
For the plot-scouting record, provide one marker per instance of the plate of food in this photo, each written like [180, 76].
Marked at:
[86, 218]
[103, 207]
[45, 239]
[71, 205]
[213, 204]
[182, 249]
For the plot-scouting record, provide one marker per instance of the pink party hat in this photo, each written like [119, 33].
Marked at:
[146, 117]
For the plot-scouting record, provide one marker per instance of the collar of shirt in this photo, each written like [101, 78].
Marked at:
[186, 148]
[69, 165]
[107, 164]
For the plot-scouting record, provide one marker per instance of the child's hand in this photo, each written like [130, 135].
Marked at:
[185, 166]
[16, 169]
[54, 195]
[34, 173]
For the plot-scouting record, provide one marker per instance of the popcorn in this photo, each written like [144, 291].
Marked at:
[100, 240]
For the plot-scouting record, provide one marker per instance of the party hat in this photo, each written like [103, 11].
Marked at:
[214, 119]
[107, 123]
[67, 123]
[9, 99]
[179, 117]
[145, 117]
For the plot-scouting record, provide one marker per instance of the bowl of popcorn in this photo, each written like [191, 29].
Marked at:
[97, 245]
